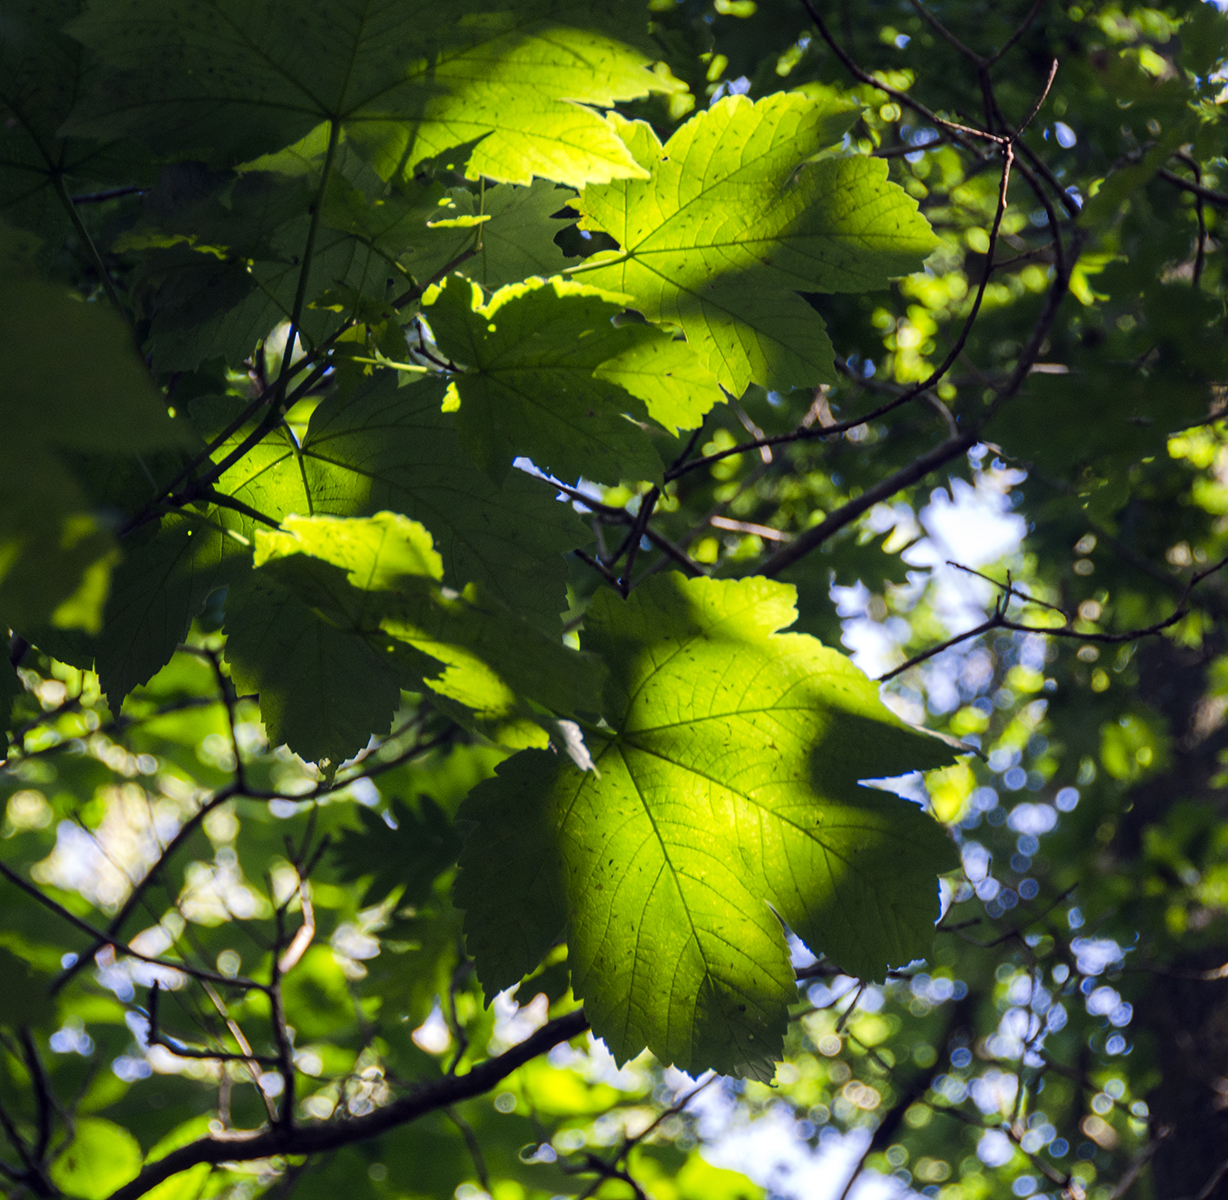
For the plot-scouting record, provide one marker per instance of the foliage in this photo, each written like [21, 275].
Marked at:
[441, 444]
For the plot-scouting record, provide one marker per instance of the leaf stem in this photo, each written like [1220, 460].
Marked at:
[108, 284]
[300, 292]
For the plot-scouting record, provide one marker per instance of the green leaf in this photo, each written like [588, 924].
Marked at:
[74, 391]
[23, 998]
[344, 613]
[100, 1158]
[390, 448]
[156, 591]
[1101, 417]
[541, 382]
[42, 73]
[665, 372]
[728, 796]
[378, 553]
[729, 229]
[224, 258]
[309, 643]
[411, 854]
[407, 81]
[73, 380]
[323, 690]
[517, 236]
[368, 585]
[1106, 422]
[1204, 38]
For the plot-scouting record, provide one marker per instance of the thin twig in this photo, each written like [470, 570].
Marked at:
[472, 1145]
[186, 830]
[284, 1116]
[999, 620]
[133, 189]
[251, 1061]
[1201, 254]
[647, 504]
[897, 151]
[43, 1095]
[1204, 192]
[945, 33]
[597, 566]
[123, 948]
[956, 131]
[156, 1037]
[917, 470]
[1144, 1156]
[994, 622]
[1010, 41]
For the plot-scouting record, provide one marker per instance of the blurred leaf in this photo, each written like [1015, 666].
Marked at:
[100, 1158]
[412, 854]
[23, 998]
[75, 387]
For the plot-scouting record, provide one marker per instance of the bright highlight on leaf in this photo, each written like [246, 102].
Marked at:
[728, 801]
[552, 378]
[735, 221]
[408, 79]
[344, 613]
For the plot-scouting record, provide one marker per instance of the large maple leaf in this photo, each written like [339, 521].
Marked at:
[726, 800]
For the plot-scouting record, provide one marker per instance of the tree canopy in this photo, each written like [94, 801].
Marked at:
[445, 449]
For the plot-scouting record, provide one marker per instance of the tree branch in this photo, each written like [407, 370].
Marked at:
[1010, 41]
[1196, 188]
[321, 1136]
[999, 620]
[916, 470]
[955, 130]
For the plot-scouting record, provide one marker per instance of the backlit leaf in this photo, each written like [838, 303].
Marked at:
[74, 391]
[728, 800]
[551, 377]
[100, 1157]
[407, 80]
[392, 448]
[735, 221]
[342, 614]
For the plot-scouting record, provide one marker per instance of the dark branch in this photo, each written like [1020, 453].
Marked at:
[1196, 188]
[955, 130]
[319, 1136]
[916, 470]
